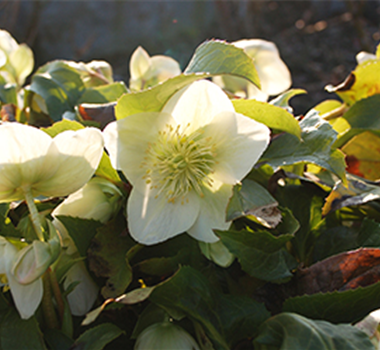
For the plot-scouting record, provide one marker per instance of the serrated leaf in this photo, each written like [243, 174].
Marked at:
[12, 326]
[60, 85]
[218, 57]
[97, 338]
[290, 331]
[283, 99]
[272, 116]
[62, 126]
[82, 231]
[260, 254]
[225, 318]
[315, 146]
[107, 257]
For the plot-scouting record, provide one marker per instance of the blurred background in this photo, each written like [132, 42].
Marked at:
[317, 39]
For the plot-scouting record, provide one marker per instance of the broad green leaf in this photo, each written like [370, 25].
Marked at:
[363, 155]
[62, 126]
[364, 115]
[103, 93]
[327, 107]
[98, 337]
[272, 116]
[337, 307]
[57, 340]
[218, 57]
[225, 318]
[8, 94]
[315, 146]
[250, 198]
[361, 83]
[289, 331]
[82, 231]
[60, 85]
[107, 257]
[16, 333]
[260, 254]
[335, 240]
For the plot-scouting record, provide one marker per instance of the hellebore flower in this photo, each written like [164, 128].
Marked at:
[33, 164]
[148, 71]
[165, 336]
[16, 61]
[217, 252]
[273, 73]
[27, 297]
[99, 200]
[183, 162]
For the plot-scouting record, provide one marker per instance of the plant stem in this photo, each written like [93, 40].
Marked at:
[34, 216]
[50, 315]
[57, 293]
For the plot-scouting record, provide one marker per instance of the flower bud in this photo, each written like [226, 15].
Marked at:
[217, 252]
[99, 200]
[166, 336]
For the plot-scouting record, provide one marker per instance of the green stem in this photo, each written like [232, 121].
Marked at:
[57, 293]
[133, 251]
[34, 216]
[50, 315]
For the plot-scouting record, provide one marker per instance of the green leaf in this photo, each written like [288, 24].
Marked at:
[107, 257]
[82, 231]
[218, 57]
[225, 318]
[103, 93]
[60, 85]
[98, 337]
[337, 307]
[315, 146]
[260, 254]
[57, 340]
[62, 126]
[364, 115]
[16, 333]
[106, 170]
[250, 198]
[290, 331]
[283, 100]
[8, 93]
[272, 116]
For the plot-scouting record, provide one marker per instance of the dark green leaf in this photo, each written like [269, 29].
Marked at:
[289, 331]
[103, 93]
[8, 93]
[97, 338]
[272, 116]
[57, 340]
[225, 318]
[260, 254]
[315, 146]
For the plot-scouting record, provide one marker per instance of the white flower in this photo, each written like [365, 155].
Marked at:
[273, 73]
[217, 252]
[165, 336]
[148, 71]
[27, 297]
[32, 162]
[183, 162]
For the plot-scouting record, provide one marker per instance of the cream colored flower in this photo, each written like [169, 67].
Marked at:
[183, 162]
[274, 75]
[165, 336]
[32, 163]
[148, 71]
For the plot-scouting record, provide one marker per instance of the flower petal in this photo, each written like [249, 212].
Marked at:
[163, 67]
[139, 63]
[22, 159]
[74, 155]
[212, 215]
[127, 141]
[240, 141]
[197, 104]
[152, 220]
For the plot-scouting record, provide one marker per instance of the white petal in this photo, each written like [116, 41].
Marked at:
[85, 293]
[7, 43]
[22, 159]
[139, 63]
[127, 140]
[26, 297]
[163, 67]
[363, 56]
[212, 215]
[240, 143]
[74, 155]
[152, 220]
[197, 104]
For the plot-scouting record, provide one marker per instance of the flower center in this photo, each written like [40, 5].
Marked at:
[178, 163]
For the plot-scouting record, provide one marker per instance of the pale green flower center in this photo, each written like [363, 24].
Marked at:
[178, 163]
